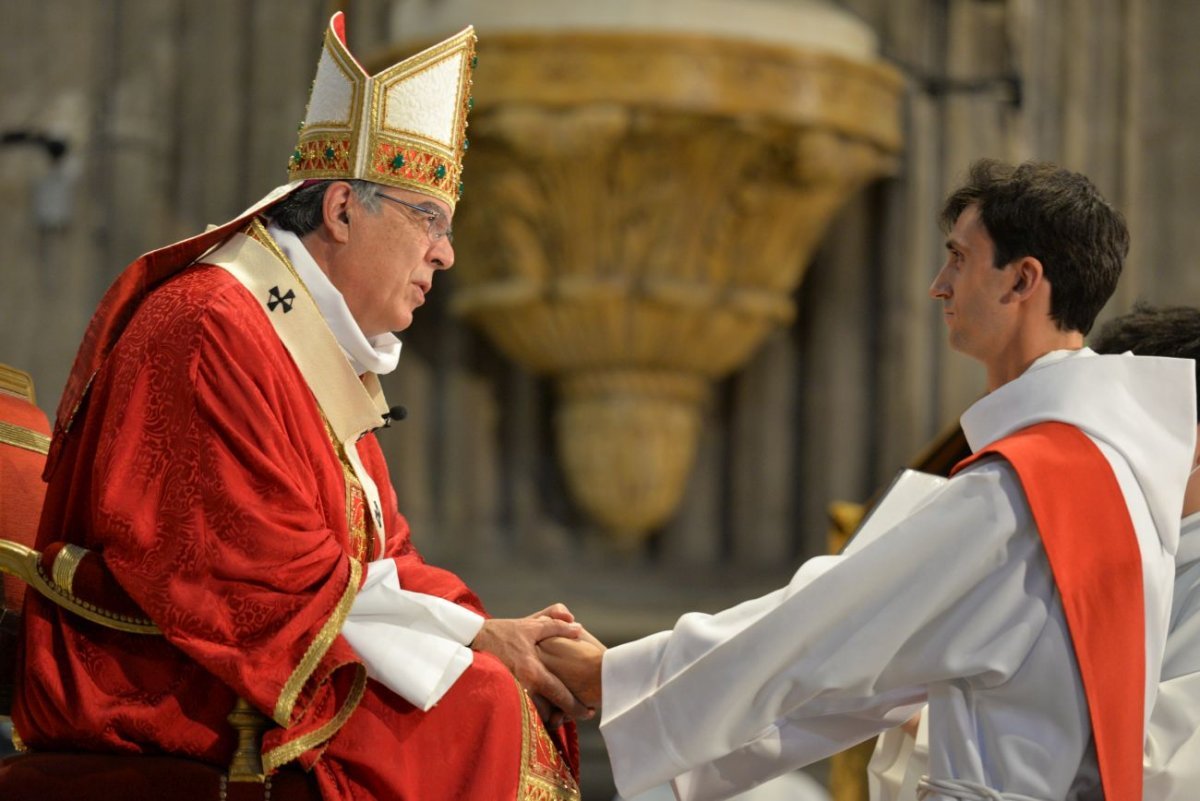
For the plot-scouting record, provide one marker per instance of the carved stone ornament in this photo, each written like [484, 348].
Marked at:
[639, 209]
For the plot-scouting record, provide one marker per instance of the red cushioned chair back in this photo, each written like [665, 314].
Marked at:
[24, 439]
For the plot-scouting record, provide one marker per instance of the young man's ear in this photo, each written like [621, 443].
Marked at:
[1027, 277]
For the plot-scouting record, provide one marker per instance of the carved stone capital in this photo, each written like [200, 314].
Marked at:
[646, 204]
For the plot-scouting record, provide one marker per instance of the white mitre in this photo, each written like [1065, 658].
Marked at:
[405, 126]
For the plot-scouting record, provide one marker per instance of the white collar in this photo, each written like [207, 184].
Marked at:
[1054, 356]
[379, 354]
[1101, 395]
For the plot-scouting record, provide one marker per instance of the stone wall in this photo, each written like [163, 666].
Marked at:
[178, 113]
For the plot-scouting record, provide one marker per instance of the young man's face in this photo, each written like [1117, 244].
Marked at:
[973, 292]
[391, 261]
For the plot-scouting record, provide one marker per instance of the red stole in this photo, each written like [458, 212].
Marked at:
[1093, 552]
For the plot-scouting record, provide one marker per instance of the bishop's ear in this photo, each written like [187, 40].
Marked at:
[335, 210]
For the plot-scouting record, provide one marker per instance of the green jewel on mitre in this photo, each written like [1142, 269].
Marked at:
[439, 172]
[398, 161]
[330, 153]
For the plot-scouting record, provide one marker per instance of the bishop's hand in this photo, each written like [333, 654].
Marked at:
[514, 641]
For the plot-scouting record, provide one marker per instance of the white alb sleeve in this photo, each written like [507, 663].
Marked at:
[412, 643]
[1172, 758]
[850, 639]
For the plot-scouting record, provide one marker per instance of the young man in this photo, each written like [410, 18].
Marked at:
[1172, 765]
[1025, 600]
[1172, 759]
[214, 452]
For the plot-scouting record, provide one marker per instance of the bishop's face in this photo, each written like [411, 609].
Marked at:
[975, 295]
[388, 266]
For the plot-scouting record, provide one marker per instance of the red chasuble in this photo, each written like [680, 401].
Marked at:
[198, 465]
[1093, 553]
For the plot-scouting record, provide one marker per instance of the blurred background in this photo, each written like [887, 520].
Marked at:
[690, 308]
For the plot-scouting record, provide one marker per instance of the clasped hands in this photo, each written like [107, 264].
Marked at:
[554, 658]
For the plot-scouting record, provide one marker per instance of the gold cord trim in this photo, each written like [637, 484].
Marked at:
[317, 648]
[289, 751]
[21, 437]
[62, 572]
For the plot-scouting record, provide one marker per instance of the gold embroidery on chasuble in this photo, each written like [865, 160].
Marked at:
[362, 540]
[545, 775]
[360, 535]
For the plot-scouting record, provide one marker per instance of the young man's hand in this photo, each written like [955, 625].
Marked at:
[576, 662]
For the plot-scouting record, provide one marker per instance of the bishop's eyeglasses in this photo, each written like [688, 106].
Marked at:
[439, 224]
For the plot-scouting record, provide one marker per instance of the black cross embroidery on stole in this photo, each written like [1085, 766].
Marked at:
[276, 299]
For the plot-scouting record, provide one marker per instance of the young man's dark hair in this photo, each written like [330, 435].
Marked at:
[1057, 217]
[1153, 331]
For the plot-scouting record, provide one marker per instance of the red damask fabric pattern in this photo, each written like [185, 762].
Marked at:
[199, 467]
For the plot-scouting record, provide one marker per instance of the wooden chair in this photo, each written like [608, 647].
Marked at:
[46, 776]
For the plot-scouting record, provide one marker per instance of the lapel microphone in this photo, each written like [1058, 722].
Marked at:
[396, 413]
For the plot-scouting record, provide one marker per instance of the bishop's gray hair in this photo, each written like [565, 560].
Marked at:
[300, 212]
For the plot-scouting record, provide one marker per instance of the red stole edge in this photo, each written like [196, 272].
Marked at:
[1093, 552]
